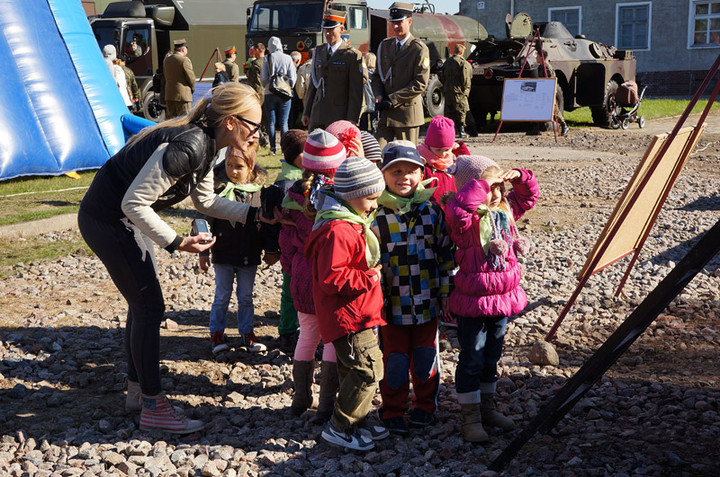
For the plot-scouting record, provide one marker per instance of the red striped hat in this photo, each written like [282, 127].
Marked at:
[322, 153]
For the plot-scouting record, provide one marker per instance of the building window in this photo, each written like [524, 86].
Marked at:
[633, 26]
[705, 23]
[571, 17]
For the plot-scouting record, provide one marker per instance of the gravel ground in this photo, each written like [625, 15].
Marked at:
[656, 411]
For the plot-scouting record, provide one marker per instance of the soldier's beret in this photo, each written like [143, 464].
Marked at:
[400, 11]
[180, 43]
[333, 18]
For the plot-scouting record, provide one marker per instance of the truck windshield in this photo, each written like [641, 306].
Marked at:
[107, 36]
[286, 16]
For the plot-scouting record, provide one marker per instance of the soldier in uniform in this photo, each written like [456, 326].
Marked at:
[179, 80]
[400, 79]
[254, 69]
[135, 94]
[457, 76]
[231, 68]
[337, 76]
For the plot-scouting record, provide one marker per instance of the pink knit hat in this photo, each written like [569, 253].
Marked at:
[440, 132]
[322, 153]
[348, 134]
[468, 168]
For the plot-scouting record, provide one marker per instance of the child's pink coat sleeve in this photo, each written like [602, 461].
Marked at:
[525, 193]
[461, 208]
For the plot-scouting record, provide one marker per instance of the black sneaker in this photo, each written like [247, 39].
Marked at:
[396, 425]
[354, 441]
[372, 431]
[420, 418]
[287, 343]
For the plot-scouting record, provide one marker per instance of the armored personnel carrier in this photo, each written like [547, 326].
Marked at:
[588, 72]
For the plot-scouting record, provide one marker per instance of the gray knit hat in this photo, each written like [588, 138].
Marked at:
[370, 146]
[358, 177]
[468, 168]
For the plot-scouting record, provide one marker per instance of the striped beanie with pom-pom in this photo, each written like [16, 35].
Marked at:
[323, 153]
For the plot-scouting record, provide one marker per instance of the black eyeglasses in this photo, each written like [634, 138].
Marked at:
[255, 125]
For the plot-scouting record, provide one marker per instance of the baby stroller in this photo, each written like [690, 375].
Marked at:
[627, 97]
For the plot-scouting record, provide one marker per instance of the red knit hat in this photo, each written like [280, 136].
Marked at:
[349, 135]
[322, 153]
[440, 132]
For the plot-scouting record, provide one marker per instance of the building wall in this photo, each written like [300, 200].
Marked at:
[670, 65]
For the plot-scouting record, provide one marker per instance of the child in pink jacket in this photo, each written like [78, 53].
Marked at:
[481, 222]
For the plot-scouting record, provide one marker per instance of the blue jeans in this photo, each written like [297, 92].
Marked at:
[225, 276]
[481, 344]
[277, 111]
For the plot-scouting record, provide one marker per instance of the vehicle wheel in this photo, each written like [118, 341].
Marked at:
[615, 123]
[152, 109]
[626, 123]
[434, 99]
[641, 121]
[603, 115]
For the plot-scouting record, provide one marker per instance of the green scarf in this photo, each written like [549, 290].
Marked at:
[288, 203]
[402, 205]
[372, 247]
[486, 222]
[288, 172]
[230, 189]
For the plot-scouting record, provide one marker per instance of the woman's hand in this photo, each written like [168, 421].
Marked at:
[192, 244]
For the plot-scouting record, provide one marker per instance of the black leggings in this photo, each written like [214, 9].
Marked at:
[121, 248]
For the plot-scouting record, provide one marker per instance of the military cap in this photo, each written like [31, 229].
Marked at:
[333, 18]
[230, 50]
[179, 43]
[400, 11]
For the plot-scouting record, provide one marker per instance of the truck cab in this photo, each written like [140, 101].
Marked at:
[299, 24]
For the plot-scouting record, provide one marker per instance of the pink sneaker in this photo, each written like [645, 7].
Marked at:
[158, 414]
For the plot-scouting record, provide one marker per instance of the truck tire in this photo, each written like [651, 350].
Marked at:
[603, 116]
[434, 99]
[151, 107]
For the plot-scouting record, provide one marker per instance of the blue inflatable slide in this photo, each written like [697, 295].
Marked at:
[61, 109]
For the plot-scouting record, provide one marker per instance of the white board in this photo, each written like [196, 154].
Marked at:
[528, 99]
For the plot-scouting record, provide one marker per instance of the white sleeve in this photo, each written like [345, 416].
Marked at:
[150, 183]
[207, 202]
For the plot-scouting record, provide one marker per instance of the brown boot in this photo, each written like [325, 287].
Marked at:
[472, 429]
[329, 383]
[303, 373]
[490, 414]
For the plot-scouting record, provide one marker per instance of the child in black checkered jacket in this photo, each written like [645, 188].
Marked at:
[417, 258]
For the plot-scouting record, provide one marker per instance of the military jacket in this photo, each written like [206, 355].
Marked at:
[457, 76]
[232, 70]
[179, 78]
[335, 89]
[253, 75]
[402, 78]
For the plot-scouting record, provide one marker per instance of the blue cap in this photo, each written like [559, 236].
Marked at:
[395, 152]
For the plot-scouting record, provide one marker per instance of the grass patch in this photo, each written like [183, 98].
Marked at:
[37, 249]
[32, 198]
[650, 108]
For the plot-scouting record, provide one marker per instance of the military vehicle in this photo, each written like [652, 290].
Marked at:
[588, 72]
[298, 25]
[155, 24]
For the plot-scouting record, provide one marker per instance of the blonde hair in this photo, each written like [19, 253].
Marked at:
[228, 99]
[219, 66]
[370, 60]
